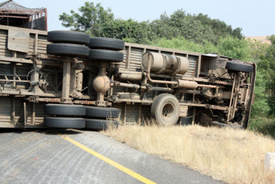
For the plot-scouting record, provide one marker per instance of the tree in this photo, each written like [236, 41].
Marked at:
[194, 30]
[266, 66]
[91, 19]
[162, 28]
[234, 47]
[177, 19]
[180, 24]
[258, 49]
[260, 106]
[128, 30]
[270, 56]
[220, 28]
[183, 44]
[97, 21]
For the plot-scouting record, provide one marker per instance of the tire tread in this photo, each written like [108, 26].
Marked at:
[68, 37]
[106, 43]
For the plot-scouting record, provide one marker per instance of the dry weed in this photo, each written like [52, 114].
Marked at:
[233, 156]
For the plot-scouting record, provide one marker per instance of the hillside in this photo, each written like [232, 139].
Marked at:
[260, 38]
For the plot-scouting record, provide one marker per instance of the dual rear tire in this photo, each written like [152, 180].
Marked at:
[65, 116]
[77, 44]
[101, 118]
[79, 117]
[68, 43]
[106, 50]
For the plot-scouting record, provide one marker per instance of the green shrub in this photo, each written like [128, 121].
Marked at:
[260, 106]
[234, 47]
[184, 44]
[263, 125]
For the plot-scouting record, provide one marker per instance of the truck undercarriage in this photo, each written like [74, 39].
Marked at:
[66, 79]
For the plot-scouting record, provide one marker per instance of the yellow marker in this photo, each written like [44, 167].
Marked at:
[109, 161]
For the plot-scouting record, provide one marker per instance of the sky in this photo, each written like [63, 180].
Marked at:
[255, 17]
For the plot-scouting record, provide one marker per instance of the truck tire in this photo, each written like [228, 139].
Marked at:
[99, 124]
[106, 43]
[105, 55]
[68, 37]
[61, 122]
[67, 49]
[165, 109]
[239, 67]
[102, 112]
[64, 110]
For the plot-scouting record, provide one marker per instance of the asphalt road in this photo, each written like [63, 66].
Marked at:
[73, 156]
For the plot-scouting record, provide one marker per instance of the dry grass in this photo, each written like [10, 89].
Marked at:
[233, 156]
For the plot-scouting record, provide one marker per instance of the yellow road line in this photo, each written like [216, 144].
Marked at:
[109, 161]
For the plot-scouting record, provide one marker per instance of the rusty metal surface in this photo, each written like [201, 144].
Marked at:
[84, 102]
[50, 100]
[14, 14]
[18, 41]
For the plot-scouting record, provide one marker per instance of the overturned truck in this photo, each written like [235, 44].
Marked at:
[65, 79]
